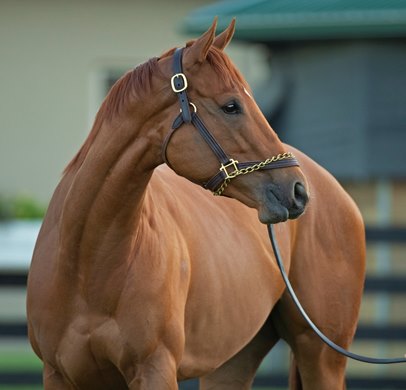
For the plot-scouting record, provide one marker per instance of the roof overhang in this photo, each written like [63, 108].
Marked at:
[281, 20]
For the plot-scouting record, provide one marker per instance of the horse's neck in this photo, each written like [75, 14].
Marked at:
[103, 206]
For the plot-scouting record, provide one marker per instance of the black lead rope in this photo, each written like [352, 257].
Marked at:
[331, 344]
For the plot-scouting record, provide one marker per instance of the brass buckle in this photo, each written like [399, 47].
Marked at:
[175, 76]
[232, 173]
[193, 106]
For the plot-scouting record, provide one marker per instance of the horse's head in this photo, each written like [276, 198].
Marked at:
[221, 125]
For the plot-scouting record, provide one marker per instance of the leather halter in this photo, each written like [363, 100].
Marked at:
[229, 167]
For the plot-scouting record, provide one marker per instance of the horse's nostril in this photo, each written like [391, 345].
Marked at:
[300, 196]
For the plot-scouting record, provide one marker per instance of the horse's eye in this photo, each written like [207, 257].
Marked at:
[232, 108]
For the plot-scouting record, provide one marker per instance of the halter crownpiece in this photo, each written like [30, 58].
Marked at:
[229, 167]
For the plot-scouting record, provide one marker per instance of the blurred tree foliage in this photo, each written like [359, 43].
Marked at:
[20, 207]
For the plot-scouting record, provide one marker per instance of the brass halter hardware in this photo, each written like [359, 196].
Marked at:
[229, 167]
[184, 84]
[252, 168]
[192, 105]
[229, 174]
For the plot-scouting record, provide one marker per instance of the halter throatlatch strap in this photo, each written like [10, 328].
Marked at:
[229, 168]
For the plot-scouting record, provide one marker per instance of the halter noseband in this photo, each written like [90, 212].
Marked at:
[229, 168]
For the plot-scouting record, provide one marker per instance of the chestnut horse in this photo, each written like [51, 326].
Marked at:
[140, 278]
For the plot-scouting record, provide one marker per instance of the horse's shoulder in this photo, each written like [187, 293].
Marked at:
[329, 201]
[183, 200]
[319, 178]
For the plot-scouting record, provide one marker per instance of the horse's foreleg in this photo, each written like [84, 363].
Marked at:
[238, 373]
[157, 371]
[53, 380]
[295, 383]
[315, 366]
[327, 273]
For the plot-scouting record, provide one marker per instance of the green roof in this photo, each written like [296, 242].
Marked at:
[284, 20]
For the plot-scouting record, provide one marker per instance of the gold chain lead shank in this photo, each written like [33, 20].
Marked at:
[243, 171]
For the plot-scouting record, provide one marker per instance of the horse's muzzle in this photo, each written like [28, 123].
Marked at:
[283, 202]
[299, 201]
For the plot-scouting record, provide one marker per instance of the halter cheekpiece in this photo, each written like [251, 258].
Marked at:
[229, 167]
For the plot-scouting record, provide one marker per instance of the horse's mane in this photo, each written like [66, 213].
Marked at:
[137, 80]
[131, 84]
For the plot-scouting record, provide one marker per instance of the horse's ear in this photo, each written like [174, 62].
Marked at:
[199, 49]
[223, 39]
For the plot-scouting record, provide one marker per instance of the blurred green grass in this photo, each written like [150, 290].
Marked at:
[16, 357]
[22, 387]
[17, 361]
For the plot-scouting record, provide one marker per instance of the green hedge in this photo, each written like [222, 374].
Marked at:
[20, 207]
